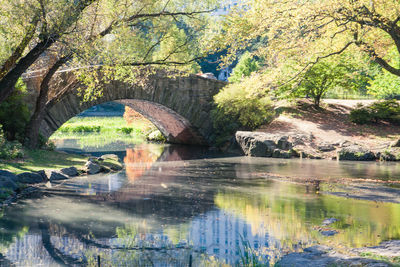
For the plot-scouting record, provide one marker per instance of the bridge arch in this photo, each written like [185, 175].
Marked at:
[178, 106]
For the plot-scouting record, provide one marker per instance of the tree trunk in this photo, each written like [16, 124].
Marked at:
[8, 82]
[33, 127]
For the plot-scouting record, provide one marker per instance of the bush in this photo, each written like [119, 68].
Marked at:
[125, 130]
[14, 113]
[244, 105]
[80, 129]
[388, 110]
[9, 150]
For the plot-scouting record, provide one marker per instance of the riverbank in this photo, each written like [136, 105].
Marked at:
[302, 130]
[23, 178]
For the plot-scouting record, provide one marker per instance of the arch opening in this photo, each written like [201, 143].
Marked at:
[175, 128]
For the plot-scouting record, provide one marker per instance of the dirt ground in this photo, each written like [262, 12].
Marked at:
[331, 123]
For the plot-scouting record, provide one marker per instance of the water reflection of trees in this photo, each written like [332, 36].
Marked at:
[293, 217]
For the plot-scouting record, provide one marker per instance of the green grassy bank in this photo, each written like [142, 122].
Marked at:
[89, 131]
[35, 160]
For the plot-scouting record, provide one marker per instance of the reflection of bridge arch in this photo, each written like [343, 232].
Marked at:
[179, 107]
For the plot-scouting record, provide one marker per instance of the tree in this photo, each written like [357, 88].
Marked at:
[246, 65]
[321, 78]
[114, 39]
[309, 31]
[47, 22]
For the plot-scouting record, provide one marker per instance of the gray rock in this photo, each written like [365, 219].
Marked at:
[8, 180]
[110, 156]
[329, 221]
[328, 232]
[30, 178]
[283, 143]
[43, 174]
[260, 144]
[326, 147]
[92, 168]
[71, 171]
[55, 176]
[355, 152]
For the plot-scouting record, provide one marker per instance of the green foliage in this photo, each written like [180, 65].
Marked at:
[246, 65]
[9, 150]
[388, 110]
[80, 129]
[14, 113]
[125, 130]
[329, 75]
[243, 105]
[385, 86]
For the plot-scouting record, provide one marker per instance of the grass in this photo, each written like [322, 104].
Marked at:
[100, 131]
[36, 160]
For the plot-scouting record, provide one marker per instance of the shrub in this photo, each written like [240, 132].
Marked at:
[9, 150]
[388, 110]
[14, 113]
[244, 105]
[125, 130]
[80, 129]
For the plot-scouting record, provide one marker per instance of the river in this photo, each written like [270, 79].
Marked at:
[182, 206]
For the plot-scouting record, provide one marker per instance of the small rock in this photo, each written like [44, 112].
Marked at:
[30, 178]
[71, 171]
[92, 168]
[326, 147]
[55, 176]
[110, 156]
[328, 232]
[329, 221]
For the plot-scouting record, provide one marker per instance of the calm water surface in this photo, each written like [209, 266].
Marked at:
[174, 205]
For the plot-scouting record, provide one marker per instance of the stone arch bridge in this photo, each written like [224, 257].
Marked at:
[178, 106]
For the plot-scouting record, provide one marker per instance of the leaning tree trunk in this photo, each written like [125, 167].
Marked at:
[9, 80]
[33, 127]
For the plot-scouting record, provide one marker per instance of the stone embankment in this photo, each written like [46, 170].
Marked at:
[260, 144]
[13, 185]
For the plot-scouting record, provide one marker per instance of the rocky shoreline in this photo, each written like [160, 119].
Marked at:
[261, 144]
[15, 186]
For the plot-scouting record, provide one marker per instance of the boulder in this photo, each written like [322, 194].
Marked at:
[283, 143]
[156, 136]
[30, 178]
[92, 167]
[43, 174]
[56, 176]
[71, 171]
[8, 180]
[256, 144]
[355, 152]
[326, 147]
